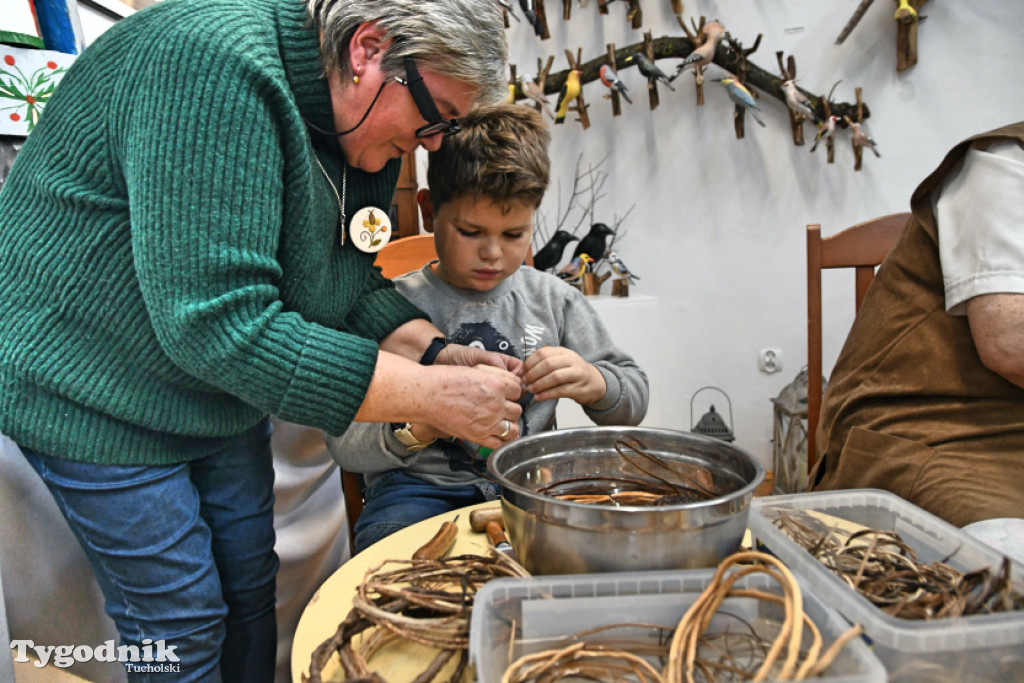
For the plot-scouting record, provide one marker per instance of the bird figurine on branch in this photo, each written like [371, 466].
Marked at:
[508, 8]
[594, 242]
[741, 96]
[826, 131]
[535, 93]
[861, 137]
[705, 52]
[551, 253]
[798, 102]
[574, 270]
[650, 69]
[612, 81]
[619, 268]
[530, 12]
[569, 92]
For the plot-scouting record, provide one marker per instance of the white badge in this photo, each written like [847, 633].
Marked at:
[370, 229]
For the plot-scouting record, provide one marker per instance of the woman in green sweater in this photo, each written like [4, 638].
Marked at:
[183, 251]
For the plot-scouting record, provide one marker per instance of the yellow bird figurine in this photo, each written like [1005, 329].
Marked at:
[905, 14]
[574, 270]
[569, 92]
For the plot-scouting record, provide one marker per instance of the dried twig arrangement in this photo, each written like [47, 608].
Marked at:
[581, 661]
[797, 665]
[423, 601]
[667, 484]
[689, 652]
[884, 569]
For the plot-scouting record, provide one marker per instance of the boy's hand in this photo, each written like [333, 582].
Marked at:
[557, 372]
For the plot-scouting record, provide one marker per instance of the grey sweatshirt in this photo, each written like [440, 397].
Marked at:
[528, 310]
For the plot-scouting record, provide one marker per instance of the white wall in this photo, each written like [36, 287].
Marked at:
[718, 229]
[717, 232]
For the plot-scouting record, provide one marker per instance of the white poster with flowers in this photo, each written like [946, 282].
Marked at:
[27, 80]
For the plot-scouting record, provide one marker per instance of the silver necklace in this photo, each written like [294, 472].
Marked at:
[339, 199]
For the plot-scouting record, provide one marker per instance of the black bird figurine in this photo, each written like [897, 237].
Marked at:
[551, 253]
[594, 242]
[650, 69]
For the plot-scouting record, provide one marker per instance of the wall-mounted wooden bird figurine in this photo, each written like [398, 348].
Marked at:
[705, 52]
[649, 68]
[612, 80]
[798, 102]
[535, 93]
[741, 96]
[551, 253]
[594, 242]
[826, 131]
[861, 137]
[508, 8]
[530, 12]
[904, 12]
[569, 92]
[575, 268]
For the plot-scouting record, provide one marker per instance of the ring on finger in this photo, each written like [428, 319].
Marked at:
[508, 428]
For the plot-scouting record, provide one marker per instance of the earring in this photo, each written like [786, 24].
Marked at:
[355, 80]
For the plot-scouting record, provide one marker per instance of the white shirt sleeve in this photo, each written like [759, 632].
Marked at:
[980, 218]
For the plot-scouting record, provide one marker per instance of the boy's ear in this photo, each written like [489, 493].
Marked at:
[426, 209]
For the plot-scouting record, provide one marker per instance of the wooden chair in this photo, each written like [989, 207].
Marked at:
[397, 257]
[862, 247]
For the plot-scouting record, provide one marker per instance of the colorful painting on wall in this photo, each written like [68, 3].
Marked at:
[27, 80]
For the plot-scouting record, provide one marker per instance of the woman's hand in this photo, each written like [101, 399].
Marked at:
[477, 404]
[557, 372]
[457, 354]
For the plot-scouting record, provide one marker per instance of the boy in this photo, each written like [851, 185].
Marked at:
[485, 185]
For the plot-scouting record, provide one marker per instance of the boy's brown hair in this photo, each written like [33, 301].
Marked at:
[501, 154]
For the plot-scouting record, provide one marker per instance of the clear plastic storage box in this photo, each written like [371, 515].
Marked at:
[514, 617]
[986, 647]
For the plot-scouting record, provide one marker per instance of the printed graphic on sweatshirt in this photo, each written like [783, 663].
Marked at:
[491, 328]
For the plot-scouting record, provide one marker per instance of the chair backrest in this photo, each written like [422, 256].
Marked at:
[862, 247]
[397, 257]
[405, 254]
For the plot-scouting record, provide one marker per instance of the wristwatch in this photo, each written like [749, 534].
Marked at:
[403, 432]
[437, 344]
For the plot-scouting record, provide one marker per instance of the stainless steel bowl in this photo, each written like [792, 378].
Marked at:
[553, 536]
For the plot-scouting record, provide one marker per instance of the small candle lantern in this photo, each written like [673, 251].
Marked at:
[789, 437]
[712, 423]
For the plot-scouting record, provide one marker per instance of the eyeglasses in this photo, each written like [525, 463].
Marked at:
[425, 104]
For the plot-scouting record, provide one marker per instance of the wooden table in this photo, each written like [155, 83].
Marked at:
[332, 602]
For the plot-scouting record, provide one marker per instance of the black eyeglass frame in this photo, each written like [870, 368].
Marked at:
[425, 104]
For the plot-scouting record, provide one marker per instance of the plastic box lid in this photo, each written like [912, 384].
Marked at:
[513, 617]
[995, 641]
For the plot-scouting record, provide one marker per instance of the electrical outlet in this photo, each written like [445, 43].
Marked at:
[769, 360]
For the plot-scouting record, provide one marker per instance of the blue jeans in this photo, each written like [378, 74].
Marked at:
[398, 499]
[183, 553]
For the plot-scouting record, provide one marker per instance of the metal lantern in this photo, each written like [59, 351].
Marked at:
[712, 424]
[789, 437]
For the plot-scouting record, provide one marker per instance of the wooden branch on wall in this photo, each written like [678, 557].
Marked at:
[906, 32]
[740, 71]
[796, 119]
[696, 38]
[678, 47]
[578, 104]
[652, 84]
[614, 94]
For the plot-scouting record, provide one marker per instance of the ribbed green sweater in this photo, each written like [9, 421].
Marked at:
[170, 265]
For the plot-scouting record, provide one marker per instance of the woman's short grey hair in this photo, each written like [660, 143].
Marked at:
[460, 39]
